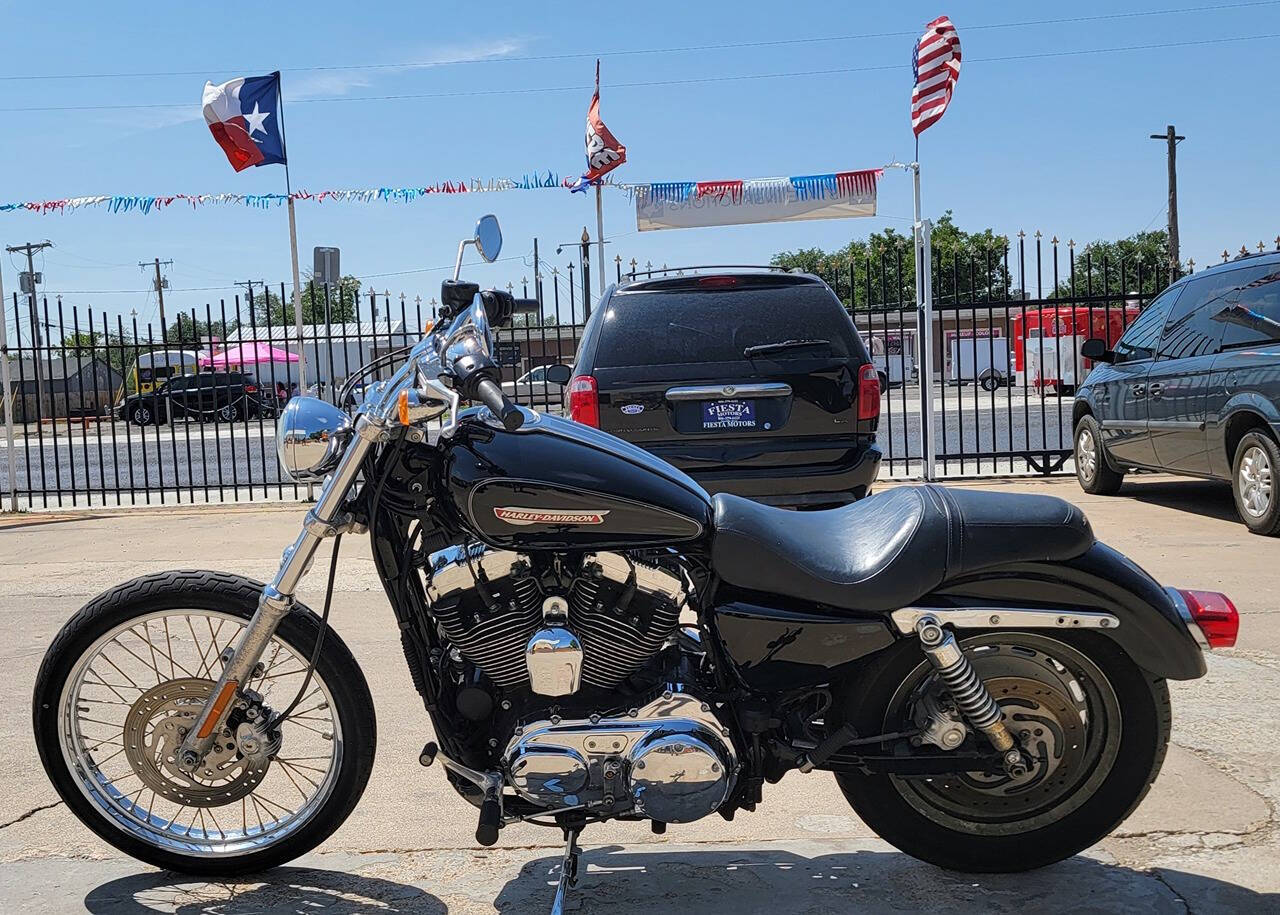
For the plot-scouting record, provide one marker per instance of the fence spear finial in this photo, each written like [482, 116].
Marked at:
[1054, 240]
[1243, 250]
[1225, 255]
[1261, 247]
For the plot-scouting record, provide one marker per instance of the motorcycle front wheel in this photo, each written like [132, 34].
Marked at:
[1095, 725]
[127, 675]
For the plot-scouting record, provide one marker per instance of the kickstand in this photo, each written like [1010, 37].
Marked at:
[568, 868]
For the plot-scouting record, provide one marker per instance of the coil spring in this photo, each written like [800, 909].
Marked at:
[968, 692]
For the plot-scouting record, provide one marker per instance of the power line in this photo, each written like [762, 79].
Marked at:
[623, 52]
[677, 82]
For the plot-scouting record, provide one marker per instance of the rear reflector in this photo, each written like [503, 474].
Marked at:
[584, 401]
[868, 392]
[1215, 616]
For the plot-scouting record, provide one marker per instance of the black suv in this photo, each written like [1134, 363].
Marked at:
[754, 383]
[226, 396]
[1192, 387]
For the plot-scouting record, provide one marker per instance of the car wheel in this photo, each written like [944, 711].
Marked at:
[990, 382]
[1254, 483]
[141, 415]
[229, 413]
[1092, 470]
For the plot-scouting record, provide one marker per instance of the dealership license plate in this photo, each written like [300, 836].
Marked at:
[729, 414]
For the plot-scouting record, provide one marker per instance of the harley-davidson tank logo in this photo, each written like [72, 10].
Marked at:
[524, 516]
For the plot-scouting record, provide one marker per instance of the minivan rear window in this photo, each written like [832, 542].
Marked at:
[685, 327]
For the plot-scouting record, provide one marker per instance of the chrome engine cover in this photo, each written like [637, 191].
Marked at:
[670, 760]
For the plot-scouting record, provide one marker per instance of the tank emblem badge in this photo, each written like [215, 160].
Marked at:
[523, 516]
[633, 409]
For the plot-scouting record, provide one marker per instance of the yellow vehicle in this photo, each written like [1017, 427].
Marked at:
[154, 368]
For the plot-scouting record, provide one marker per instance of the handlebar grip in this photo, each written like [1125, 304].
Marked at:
[489, 394]
[490, 820]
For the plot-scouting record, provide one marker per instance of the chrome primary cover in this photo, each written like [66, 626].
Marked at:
[670, 760]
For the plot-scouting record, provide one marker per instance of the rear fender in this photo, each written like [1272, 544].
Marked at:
[1150, 627]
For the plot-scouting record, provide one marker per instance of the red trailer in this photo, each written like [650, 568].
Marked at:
[1069, 321]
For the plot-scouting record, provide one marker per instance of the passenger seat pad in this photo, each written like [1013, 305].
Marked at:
[891, 548]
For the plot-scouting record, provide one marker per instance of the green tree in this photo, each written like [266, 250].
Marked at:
[967, 265]
[186, 332]
[340, 306]
[111, 348]
[1137, 264]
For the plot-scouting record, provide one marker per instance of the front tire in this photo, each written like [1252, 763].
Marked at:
[1092, 470]
[232, 825]
[974, 823]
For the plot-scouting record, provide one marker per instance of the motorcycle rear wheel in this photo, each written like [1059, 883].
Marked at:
[1099, 723]
[133, 665]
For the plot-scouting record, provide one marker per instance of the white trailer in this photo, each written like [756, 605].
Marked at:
[979, 360]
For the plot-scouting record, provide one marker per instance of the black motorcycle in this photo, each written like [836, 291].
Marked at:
[596, 638]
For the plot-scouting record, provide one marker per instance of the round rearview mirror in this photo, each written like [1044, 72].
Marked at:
[489, 237]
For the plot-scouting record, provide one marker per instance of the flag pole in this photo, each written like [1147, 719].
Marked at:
[924, 324]
[293, 245]
[6, 395]
[599, 206]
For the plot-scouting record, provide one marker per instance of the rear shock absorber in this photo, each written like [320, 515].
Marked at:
[967, 690]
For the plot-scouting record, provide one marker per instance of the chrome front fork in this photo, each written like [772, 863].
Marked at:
[324, 520]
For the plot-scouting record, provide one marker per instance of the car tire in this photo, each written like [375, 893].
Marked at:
[990, 382]
[228, 413]
[142, 415]
[1092, 470]
[1253, 482]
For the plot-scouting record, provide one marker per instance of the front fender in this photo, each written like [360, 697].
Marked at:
[1151, 629]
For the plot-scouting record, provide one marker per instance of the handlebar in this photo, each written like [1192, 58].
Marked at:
[490, 394]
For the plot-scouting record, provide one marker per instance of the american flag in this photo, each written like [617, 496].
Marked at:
[936, 62]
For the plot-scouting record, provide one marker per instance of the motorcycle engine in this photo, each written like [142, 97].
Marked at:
[554, 632]
[670, 760]
[490, 604]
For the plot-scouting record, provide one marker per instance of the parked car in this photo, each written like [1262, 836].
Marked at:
[755, 383]
[218, 396]
[534, 389]
[1193, 388]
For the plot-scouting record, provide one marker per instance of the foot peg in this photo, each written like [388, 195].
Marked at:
[428, 754]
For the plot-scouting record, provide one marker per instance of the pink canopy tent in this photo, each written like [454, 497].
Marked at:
[246, 354]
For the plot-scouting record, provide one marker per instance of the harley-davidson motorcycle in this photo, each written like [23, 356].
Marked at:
[594, 637]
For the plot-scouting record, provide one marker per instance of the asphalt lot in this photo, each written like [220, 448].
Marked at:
[1205, 839]
[116, 463]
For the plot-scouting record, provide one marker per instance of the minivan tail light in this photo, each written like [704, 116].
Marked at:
[1214, 615]
[251, 389]
[584, 401]
[717, 282]
[868, 392]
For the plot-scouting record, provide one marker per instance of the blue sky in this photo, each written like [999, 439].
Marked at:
[1058, 144]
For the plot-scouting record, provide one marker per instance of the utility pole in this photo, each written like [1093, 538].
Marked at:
[1170, 136]
[161, 284]
[29, 249]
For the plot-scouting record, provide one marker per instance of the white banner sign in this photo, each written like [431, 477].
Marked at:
[686, 205]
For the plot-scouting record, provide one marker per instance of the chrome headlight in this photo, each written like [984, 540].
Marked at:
[310, 438]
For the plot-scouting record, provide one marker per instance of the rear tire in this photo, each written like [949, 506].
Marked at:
[1253, 482]
[1092, 470]
[1117, 781]
[229, 596]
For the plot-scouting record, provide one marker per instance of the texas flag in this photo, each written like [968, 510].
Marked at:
[244, 117]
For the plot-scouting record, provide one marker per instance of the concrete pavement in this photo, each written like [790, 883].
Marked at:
[1205, 839]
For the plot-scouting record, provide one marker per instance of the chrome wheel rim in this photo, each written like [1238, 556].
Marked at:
[228, 412]
[1086, 454]
[120, 713]
[1062, 711]
[1255, 481]
[142, 416]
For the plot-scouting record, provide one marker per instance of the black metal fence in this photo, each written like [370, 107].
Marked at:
[1008, 322]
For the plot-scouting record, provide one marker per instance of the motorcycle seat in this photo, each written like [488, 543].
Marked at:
[889, 549]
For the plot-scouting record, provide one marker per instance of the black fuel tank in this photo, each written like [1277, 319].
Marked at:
[555, 484]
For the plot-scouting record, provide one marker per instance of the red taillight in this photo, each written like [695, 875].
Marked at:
[868, 392]
[1215, 615]
[584, 401]
[251, 389]
[717, 282]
